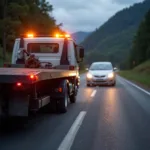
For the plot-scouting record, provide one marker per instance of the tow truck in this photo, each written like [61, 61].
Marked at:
[44, 72]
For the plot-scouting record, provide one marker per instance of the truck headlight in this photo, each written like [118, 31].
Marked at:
[110, 75]
[89, 76]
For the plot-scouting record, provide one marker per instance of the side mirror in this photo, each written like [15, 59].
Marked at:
[115, 69]
[81, 53]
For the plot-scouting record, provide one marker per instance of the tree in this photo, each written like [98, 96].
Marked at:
[4, 12]
[45, 7]
[20, 16]
[140, 51]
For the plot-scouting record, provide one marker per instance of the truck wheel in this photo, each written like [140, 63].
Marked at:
[73, 98]
[53, 106]
[63, 102]
[74, 94]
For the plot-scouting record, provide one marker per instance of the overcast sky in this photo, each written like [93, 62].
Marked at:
[86, 15]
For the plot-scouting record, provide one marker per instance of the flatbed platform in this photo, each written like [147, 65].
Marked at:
[13, 75]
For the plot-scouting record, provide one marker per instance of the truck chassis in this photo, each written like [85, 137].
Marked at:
[24, 90]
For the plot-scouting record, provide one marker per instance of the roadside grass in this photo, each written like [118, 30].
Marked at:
[140, 74]
[144, 68]
[140, 78]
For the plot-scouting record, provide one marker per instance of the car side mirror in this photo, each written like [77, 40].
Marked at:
[115, 69]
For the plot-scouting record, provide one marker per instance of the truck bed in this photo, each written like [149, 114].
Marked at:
[13, 75]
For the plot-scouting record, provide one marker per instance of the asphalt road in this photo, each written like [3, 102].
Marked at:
[103, 118]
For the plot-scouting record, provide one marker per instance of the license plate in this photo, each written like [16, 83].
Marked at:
[99, 79]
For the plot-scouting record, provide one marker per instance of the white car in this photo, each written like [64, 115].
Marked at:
[101, 73]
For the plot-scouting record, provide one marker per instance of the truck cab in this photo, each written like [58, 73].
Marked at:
[58, 52]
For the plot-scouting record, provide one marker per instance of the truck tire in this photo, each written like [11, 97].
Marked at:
[75, 92]
[52, 107]
[63, 102]
[73, 98]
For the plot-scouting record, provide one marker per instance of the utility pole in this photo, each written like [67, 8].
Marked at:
[4, 30]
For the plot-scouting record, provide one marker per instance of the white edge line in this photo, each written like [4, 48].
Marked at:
[137, 86]
[93, 93]
[69, 138]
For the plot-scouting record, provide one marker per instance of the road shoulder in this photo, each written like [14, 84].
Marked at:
[137, 84]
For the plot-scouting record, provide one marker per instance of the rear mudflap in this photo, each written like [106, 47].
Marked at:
[13, 103]
[19, 105]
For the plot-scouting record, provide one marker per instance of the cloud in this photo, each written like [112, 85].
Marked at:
[86, 15]
[127, 2]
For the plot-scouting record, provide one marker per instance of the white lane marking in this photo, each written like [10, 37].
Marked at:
[93, 93]
[69, 138]
[136, 86]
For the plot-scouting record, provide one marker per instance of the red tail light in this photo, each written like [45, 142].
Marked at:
[18, 84]
[33, 77]
[59, 90]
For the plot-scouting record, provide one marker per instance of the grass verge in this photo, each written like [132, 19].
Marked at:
[139, 75]
[140, 78]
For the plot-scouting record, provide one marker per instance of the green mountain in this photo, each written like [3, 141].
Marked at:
[113, 40]
[80, 36]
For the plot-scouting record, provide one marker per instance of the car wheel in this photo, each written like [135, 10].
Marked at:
[87, 85]
[114, 84]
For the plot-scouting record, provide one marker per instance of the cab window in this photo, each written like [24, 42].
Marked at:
[43, 48]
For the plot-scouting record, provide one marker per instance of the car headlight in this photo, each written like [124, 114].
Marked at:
[111, 75]
[89, 76]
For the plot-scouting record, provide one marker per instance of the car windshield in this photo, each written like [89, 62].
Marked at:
[101, 67]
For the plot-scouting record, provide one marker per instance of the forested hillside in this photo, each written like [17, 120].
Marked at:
[20, 16]
[140, 51]
[80, 36]
[113, 40]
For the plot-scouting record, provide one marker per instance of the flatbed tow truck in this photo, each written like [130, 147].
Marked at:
[44, 72]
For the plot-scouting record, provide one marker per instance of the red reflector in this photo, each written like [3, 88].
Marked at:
[33, 77]
[19, 84]
[59, 90]
[71, 67]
